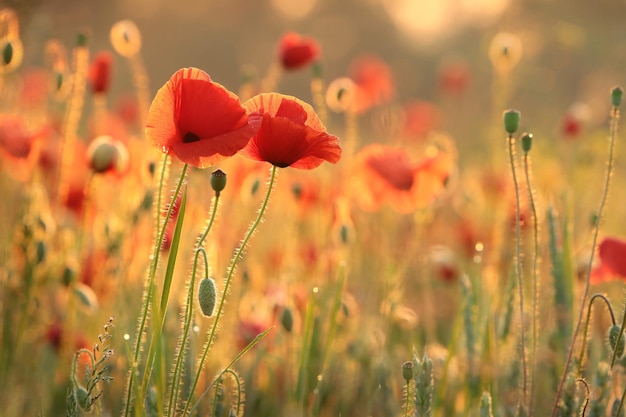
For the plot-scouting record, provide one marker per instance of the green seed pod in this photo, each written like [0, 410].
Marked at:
[527, 142]
[614, 332]
[207, 296]
[218, 181]
[511, 121]
[286, 319]
[407, 371]
[616, 96]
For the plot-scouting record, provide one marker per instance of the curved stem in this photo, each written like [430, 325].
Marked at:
[605, 193]
[584, 342]
[518, 265]
[231, 270]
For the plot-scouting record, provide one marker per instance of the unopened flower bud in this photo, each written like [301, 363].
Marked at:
[286, 319]
[614, 332]
[218, 181]
[527, 142]
[207, 296]
[511, 121]
[616, 96]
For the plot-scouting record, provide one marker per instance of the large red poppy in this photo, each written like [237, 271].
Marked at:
[386, 174]
[291, 133]
[198, 120]
[612, 255]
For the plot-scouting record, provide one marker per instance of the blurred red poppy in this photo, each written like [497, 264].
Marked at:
[291, 134]
[100, 72]
[297, 51]
[454, 77]
[421, 117]
[385, 174]
[612, 255]
[374, 81]
[198, 120]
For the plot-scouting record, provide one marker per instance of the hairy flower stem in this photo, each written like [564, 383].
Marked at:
[148, 292]
[176, 378]
[605, 193]
[518, 265]
[231, 271]
[583, 347]
[535, 330]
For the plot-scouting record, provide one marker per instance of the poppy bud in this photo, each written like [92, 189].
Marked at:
[616, 96]
[126, 38]
[527, 142]
[407, 371]
[511, 121]
[82, 398]
[286, 319]
[12, 54]
[218, 181]
[106, 155]
[614, 332]
[207, 296]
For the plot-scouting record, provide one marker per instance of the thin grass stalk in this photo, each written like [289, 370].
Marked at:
[231, 271]
[596, 230]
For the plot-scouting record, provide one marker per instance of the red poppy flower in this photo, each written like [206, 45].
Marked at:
[454, 77]
[421, 117]
[297, 51]
[374, 81]
[291, 134]
[198, 120]
[384, 174]
[612, 254]
[100, 72]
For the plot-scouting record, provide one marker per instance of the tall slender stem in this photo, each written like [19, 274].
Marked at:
[231, 270]
[605, 193]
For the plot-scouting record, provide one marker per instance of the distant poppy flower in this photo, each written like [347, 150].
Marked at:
[612, 255]
[374, 81]
[454, 77]
[198, 120]
[15, 138]
[421, 117]
[100, 72]
[386, 174]
[296, 51]
[291, 134]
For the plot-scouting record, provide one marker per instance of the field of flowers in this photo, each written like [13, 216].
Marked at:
[408, 210]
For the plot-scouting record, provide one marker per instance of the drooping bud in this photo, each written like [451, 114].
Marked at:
[616, 96]
[614, 332]
[207, 296]
[218, 181]
[527, 142]
[511, 121]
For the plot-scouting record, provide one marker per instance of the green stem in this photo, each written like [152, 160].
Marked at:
[535, 280]
[605, 193]
[148, 296]
[518, 265]
[231, 271]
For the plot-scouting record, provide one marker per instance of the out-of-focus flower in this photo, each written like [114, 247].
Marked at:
[574, 120]
[291, 134]
[505, 51]
[296, 51]
[454, 77]
[612, 256]
[106, 155]
[100, 72]
[420, 118]
[340, 94]
[15, 138]
[386, 174]
[126, 38]
[198, 120]
[374, 81]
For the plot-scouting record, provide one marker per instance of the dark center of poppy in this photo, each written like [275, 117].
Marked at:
[190, 137]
